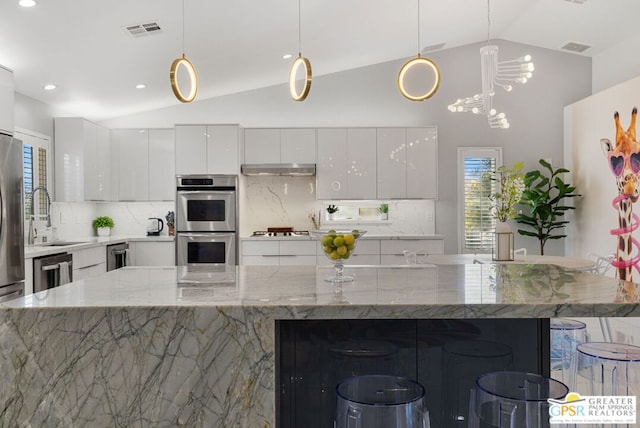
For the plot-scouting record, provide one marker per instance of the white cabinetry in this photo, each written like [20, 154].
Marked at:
[162, 183]
[275, 145]
[144, 164]
[207, 149]
[82, 160]
[152, 253]
[274, 252]
[407, 163]
[7, 95]
[346, 163]
[89, 263]
[132, 148]
[392, 250]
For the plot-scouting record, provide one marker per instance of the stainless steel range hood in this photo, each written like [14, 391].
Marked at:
[291, 169]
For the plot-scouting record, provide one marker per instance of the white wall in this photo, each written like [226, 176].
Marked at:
[368, 97]
[616, 65]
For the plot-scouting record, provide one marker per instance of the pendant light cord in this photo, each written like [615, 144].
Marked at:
[418, 27]
[182, 27]
[299, 32]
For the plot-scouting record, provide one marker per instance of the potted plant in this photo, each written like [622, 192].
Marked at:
[331, 210]
[171, 218]
[103, 225]
[544, 194]
[383, 209]
[509, 191]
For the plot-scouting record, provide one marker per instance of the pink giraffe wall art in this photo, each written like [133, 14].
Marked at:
[624, 161]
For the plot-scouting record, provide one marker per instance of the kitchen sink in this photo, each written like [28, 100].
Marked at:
[60, 243]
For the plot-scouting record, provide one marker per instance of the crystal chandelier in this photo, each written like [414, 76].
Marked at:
[494, 73]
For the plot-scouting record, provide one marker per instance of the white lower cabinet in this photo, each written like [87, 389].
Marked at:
[392, 251]
[153, 253]
[274, 253]
[89, 263]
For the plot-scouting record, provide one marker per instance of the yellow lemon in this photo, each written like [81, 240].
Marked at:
[349, 239]
[338, 241]
[342, 250]
[327, 240]
[334, 255]
[327, 249]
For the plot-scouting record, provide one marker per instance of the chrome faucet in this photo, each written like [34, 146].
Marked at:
[32, 230]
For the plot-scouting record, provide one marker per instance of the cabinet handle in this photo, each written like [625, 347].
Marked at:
[271, 255]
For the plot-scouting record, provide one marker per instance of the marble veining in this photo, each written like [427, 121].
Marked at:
[165, 347]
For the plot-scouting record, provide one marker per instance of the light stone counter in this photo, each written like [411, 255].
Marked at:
[137, 348]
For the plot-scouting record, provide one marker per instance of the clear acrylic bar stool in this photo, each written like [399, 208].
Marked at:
[566, 335]
[380, 401]
[610, 369]
[513, 400]
[462, 362]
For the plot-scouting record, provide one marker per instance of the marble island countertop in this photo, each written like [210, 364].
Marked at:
[454, 291]
[165, 347]
[366, 236]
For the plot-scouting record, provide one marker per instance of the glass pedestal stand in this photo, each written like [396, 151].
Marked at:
[338, 273]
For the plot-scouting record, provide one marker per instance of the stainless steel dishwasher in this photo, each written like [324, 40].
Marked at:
[52, 271]
[117, 256]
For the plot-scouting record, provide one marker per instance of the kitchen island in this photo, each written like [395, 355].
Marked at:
[178, 347]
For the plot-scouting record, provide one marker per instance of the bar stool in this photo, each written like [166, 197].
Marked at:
[513, 400]
[462, 363]
[565, 336]
[380, 401]
[610, 368]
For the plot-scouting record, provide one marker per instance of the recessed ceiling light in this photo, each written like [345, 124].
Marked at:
[49, 87]
[27, 3]
[141, 86]
[287, 56]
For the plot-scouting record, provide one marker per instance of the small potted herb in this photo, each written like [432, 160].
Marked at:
[383, 209]
[103, 225]
[331, 210]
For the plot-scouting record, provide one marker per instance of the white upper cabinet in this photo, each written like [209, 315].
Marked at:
[207, 149]
[133, 164]
[191, 149]
[262, 145]
[346, 163]
[392, 163]
[275, 145]
[407, 163]
[361, 163]
[82, 160]
[331, 170]
[422, 163]
[7, 95]
[298, 145]
[222, 149]
[162, 181]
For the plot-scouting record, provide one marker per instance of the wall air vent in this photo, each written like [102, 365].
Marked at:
[432, 48]
[575, 47]
[139, 30]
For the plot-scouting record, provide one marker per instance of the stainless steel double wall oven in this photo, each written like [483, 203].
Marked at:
[206, 220]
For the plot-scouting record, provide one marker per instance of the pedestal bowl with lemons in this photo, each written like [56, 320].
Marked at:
[338, 246]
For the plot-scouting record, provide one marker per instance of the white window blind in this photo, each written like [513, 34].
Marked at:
[478, 224]
[36, 170]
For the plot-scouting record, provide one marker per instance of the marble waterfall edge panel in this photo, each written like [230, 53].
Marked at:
[137, 367]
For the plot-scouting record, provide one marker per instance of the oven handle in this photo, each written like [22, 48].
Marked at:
[207, 235]
[118, 252]
[53, 267]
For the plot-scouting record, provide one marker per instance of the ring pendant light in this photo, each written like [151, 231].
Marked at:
[300, 61]
[173, 73]
[417, 62]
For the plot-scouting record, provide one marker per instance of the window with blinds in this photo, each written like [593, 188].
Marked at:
[35, 172]
[478, 224]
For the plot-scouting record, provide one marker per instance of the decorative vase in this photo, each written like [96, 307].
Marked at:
[104, 231]
[330, 216]
[384, 216]
[503, 245]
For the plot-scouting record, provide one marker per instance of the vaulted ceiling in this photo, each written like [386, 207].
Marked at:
[83, 47]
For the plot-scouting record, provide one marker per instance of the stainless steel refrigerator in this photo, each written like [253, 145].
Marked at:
[11, 220]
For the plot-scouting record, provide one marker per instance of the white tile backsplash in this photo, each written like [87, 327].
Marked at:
[73, 219]
[287, 201]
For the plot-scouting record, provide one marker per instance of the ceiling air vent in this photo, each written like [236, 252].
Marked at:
[138, 30]
[577, 1]
[575, 47]
[432, 48]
